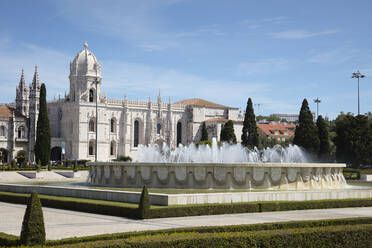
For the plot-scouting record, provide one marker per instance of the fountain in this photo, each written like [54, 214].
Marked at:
[220, 167]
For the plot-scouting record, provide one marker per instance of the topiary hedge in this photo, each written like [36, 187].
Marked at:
[144, 204]
[33, 230]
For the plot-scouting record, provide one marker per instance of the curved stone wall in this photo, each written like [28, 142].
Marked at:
[218, 176]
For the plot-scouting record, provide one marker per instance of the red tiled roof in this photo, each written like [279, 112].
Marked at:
[200, 102]
[5, 111]
[270, 128]
[221, 119]
[217, 119]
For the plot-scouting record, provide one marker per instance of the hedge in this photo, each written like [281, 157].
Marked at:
[8, 240]
[76, 204]
[220, 229]
[130, 210]
[212, 209]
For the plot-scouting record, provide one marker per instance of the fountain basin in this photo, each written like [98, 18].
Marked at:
[265, 176]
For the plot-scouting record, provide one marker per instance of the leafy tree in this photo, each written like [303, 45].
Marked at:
[227, 133]
[306, 133]
[42, 145]
[324, 145]
[249, 133]
[144, 204]
[204, 133]
[33, 230]
[344, 128]
[353, 139]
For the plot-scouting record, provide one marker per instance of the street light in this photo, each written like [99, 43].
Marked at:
[317, 101]
[358, 75]
[96, 119]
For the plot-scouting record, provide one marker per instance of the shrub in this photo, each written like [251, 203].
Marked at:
[75, 167]
[123, 159]
[8, 240]
[38, 166]
[144, 204]
[49, 167]
[33, 230]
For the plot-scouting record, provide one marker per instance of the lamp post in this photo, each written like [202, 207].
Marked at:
[317, 101]
[358, 75]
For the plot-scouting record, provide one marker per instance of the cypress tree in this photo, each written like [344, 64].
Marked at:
[306, 133]
[324, 145]
[42, 145]
[33, 230]
[204, 133]
[249, 133]
[227, 133]
[75, 166]
[144, 204]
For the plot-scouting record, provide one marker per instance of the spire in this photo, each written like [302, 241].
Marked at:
[85, 45]
[159, 96]
[35, 81]
[22, 83]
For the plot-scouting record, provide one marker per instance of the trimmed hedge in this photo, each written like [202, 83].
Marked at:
[212, 209]
[220, 229]
[8, 240]
[131, 211]
[328, 236]
[207, 209]
[76, 204]
[92, 241]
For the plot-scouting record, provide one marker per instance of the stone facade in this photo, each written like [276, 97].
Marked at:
[122, 124]
[18, 122]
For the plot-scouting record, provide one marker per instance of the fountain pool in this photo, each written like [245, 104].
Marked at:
[219, 167]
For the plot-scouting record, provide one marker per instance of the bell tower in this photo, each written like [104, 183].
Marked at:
[34, 113]
[22, 97]
[84, 72]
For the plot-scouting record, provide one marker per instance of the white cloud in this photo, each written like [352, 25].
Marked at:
[204, 30]
[300, 34]
[119, 78]
[52, 67]
[255, 24]
[265, 66]
[334, 56]
[137, 22]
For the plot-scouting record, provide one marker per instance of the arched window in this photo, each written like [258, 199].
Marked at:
[136, 133]
[112, 148]
[179, 133]
[91, 125]
[21, 132]
[92, 148]
[113, 125]
[158, 128]
[91, 95]
[2, 131]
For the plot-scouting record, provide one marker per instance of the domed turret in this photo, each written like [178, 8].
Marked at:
[85, 64]
[85, 77]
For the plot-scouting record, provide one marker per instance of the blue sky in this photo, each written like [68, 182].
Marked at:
[276, 52]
